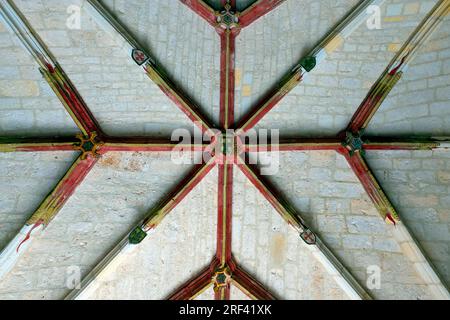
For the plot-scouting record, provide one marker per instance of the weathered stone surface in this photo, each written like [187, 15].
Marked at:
[320, 185]
[350, 225]
[324, 103]
[28, 106]
[418, 104]
[19, 88]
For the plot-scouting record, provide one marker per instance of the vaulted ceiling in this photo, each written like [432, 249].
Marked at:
[90, 189]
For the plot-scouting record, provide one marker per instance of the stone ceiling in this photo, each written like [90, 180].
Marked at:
[123, 186]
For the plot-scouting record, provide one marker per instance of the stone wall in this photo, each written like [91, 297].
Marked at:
[28, 105]
[327, 194]
[117, 194]
[120, 95]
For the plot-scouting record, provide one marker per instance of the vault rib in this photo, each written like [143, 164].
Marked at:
[139, 233]
[49, 67]
[249, 285]
[20, 144]
[321, 252]
[45, 213]
[143, 59]
[399, 64]
[406, 240]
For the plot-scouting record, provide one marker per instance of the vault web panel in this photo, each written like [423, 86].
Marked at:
[179, 248]
[186, 47]
[119, 94]
[269, 48]
[115, 195]
[26, 179]
[323, 104]
[264, 244]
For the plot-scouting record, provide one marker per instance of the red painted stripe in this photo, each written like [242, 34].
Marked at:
[266, 105]
[296, 145]
[227, 76]
[28, 236]
[248, 283]
[70, 182]
[364, 112]
[224, 292]
[191, 288]
[55, 147]
[151, 148]
[146, 144]
[399, 146]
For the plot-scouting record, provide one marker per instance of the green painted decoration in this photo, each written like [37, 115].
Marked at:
[221, 278]
[308, 63]
[137, 236]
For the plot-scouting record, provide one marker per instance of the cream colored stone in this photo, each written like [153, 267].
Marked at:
[394, 47]
[411, 251]
[19, 88]
[238, 76]
[246, 91]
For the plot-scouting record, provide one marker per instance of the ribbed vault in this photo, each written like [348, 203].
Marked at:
[352, 191]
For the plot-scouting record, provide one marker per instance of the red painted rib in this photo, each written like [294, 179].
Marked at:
[258, 10]
[270, 101]
[73, 100]
[250, 286]
[371, 185]
[225, 206]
